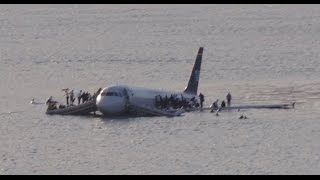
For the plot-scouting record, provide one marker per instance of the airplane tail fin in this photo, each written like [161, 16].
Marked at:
[192, 87]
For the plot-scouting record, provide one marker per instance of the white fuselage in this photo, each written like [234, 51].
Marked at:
[113, 100]
[117, 99]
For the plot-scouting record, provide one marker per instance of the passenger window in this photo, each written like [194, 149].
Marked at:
[111, 94]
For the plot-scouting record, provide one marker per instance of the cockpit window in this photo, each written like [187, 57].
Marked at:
[111, 94]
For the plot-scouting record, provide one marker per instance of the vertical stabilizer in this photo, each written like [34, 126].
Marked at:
[192, 87]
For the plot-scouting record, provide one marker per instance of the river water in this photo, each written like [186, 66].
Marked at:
[262, 54]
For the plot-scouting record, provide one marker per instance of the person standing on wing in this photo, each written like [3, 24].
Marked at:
[229, 97]
[67, 95]
[201, 96]
[79, 95]
[71, 97]
[215, 105]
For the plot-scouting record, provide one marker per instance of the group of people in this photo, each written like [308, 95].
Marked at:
[178, 101]
[70, 98]
[175, 101]
[223, 103]
[85, 96]
[52, 104]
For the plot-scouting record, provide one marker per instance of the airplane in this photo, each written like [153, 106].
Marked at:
[124, 99]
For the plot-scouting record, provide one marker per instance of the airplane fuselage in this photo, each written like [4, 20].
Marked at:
[117, 99]
[114, 100]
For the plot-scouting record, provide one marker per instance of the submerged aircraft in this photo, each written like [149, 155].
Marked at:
[123, 99]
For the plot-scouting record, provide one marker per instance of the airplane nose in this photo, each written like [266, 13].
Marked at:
[103, 104]
[110, 105]
[100, 103]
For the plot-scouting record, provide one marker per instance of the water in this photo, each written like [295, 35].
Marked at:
[260, 53]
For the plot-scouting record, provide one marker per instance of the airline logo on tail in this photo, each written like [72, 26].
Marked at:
[197, 75]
